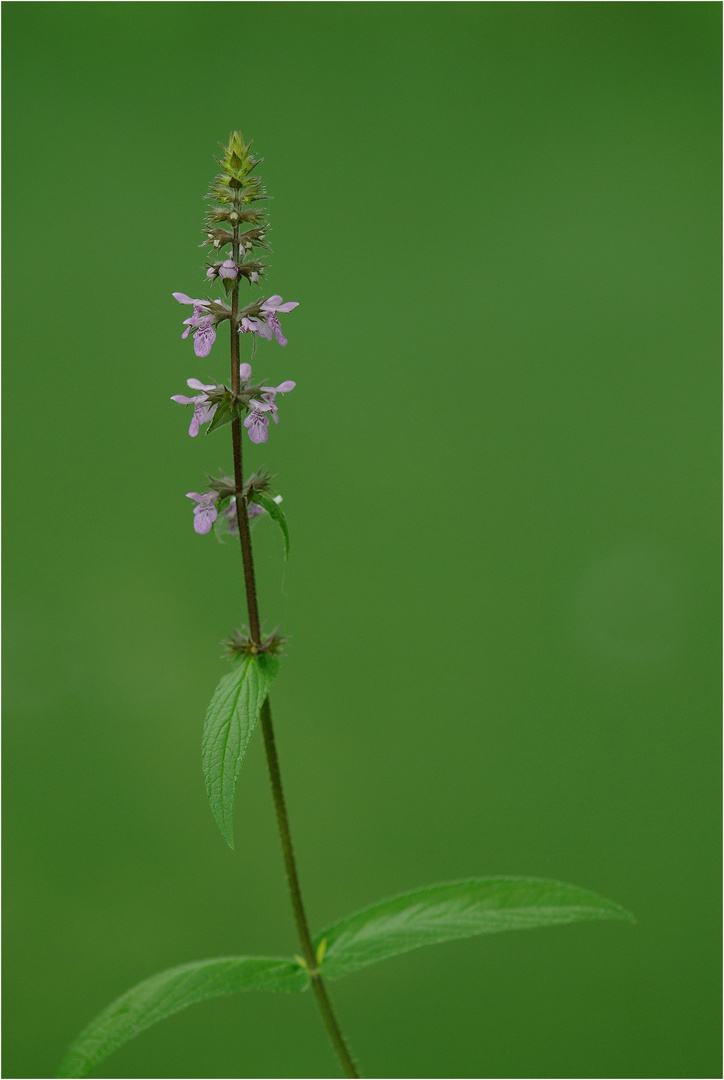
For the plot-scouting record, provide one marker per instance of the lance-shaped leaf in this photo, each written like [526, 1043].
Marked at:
[230, 722]
[274, 510]
[169, 991]
[453, 910]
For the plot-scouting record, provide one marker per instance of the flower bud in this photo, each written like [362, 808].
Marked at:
[218, 238]
[229, 269]
[252, 269]
[252, 238]
[237, 183]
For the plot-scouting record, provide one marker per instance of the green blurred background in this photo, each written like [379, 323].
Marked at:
[501, 223]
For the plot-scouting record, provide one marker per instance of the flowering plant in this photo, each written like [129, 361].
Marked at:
[235, 227]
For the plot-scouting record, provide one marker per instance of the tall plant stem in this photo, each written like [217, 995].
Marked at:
[290, 866]
[325, 1006]
[242, 516]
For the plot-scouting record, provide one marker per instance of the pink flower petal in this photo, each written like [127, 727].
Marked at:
[204, 338]
[228, 269]
[276, 327]
[204, 518]
[258, 427]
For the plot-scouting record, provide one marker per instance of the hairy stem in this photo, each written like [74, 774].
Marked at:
[242, 517]
[325, 1006]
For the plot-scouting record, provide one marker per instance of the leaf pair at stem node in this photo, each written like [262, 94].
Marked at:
[426, 916]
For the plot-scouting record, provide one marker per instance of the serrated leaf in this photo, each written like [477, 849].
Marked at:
[456, 909]
[230, 722]
[226, 411]
[274, 510]
[167, 992]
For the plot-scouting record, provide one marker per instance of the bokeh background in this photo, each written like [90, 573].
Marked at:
[500, 472]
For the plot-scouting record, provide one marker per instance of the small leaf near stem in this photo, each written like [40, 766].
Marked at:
[321, 950]
[230, 722]
[226, 411]
[275, 512]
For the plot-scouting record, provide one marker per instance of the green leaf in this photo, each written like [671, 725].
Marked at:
[274, 510]
[453, 910]
[230, 722]
[169, 991]
[226, 411]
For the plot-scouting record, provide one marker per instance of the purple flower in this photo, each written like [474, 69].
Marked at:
[270, 393]
[205, 513]
[203, 411]
[228, 269]
[266, 323]
[202, 321]
[257, 422]
[253, 511]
